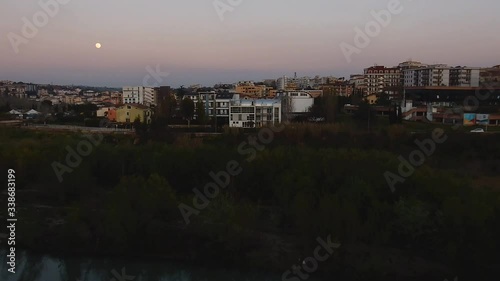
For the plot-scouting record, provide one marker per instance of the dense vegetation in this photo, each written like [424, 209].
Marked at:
[310, 181]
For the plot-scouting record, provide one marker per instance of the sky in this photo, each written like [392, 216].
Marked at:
[245, 40]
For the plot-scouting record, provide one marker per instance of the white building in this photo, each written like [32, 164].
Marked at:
[441, 75]
[296, 102]
[254, 113]
[139, 95]
[284, 83]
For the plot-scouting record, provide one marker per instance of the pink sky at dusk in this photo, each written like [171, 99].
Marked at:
[256, 40]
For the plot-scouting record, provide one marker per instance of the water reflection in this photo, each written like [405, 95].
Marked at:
[30, 267]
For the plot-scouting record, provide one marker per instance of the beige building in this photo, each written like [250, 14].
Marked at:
[379, 78]
[130, 112]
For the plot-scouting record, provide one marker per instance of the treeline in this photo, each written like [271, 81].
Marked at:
[310, 181]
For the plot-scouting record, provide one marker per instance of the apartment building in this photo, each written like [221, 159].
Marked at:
[139, 95]
[441, 75]
[297, 83]
[490, 76]
[340, 88]
[215, 104]
[379, 78]
[428, 76]
[249, 87]
[462, 76]
[254, 113]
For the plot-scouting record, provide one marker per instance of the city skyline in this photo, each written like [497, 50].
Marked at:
[255, 40]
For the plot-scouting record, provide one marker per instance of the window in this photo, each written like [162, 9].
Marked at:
[247, 110]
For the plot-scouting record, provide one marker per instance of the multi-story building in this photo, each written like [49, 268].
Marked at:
[464, 76]
[380, 78]
[139, 95]
[216, 105]
[358, 82]
[297, 83]
[249, 87]
[428, 76]
[130, 112]
[340, 88]
[441, 75]
[490, 76]
[254, 113]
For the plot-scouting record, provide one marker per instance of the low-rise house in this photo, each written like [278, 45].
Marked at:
[107, 112]
[16, 113]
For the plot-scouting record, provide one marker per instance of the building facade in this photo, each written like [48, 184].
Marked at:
[139, 95]
[130, 112]
[441, 76]
[254, 113]
[379, 78]
[490, 76]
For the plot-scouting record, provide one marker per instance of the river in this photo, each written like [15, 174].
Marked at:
[31, 267]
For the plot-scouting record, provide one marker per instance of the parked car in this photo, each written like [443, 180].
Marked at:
[478, 130]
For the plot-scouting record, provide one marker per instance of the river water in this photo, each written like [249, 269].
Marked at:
[30, 267]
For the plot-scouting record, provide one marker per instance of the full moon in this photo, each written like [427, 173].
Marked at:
[98, 45]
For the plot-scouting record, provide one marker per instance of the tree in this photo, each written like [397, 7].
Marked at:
[141, 129]
[317, 110]
[187, 109]
[181, 92]
[383, 99]
[365, 115]
[325, 107]
[46, 106]
[330, 105]
[166, 108]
